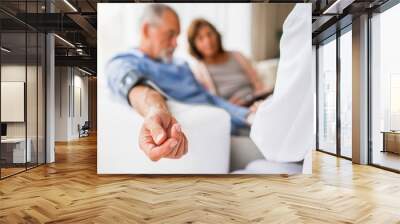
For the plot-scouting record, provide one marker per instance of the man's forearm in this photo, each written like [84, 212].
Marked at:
[147, 100]
[160, 135]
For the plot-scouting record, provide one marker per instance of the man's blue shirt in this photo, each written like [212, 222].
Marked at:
[175, 80]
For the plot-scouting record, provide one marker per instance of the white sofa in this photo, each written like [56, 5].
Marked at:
[266, 69]
[207, 129]
[212, 150]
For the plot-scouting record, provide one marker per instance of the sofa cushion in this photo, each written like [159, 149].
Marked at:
[207, 129]
[266, 69]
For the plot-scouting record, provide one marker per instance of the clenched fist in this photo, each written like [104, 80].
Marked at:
[161, 136]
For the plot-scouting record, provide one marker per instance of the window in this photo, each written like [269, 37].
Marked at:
[385, 89]
[329, 111]
[13, 88]
[394, 101]
[22, 88]
[327, 97]
[346, 94]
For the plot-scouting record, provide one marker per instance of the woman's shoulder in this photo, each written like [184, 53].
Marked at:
[237, 55]
[197, 63]
[241, 58]
[197, 66]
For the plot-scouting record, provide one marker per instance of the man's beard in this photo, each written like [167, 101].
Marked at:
[166, 55]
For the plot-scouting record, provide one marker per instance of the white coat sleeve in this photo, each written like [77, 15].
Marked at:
[283, 126]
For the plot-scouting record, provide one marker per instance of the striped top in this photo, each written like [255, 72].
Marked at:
[230, 79]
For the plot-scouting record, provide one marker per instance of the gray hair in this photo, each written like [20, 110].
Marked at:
[152, 13]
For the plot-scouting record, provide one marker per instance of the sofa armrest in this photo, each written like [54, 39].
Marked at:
[207, 129]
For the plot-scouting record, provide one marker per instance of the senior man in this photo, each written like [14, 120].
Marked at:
[148, 75]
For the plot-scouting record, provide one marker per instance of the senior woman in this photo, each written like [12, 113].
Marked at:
[227, 74]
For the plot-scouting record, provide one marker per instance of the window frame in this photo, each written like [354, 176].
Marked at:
[378, 10]
[27, 29]
[334, 37]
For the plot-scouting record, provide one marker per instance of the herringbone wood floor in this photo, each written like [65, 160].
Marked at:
[70, 191]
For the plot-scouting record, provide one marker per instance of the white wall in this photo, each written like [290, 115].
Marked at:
[61, 103]
[34, 125]
[12, 100]
[67, 115]
[121, 23]
[79, 117]
[12, 73]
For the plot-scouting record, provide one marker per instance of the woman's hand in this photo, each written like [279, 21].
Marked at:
[261, 89]
[236, 100]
